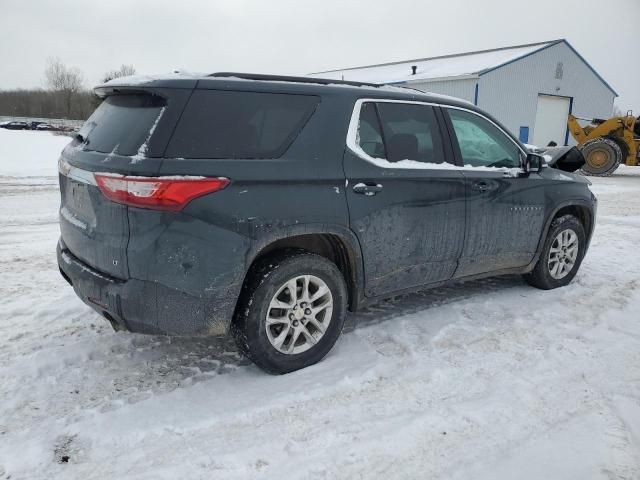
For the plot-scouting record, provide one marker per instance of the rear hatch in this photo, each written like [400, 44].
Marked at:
[122, 137]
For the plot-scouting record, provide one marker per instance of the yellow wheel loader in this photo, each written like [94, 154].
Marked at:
[606, 144]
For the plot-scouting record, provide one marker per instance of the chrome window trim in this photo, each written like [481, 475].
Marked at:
[75, 173]
[352, 132]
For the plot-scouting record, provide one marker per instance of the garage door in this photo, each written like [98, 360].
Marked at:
[551, 120]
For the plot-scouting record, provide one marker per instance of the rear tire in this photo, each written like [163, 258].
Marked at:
[282, 332]
[559, 262]
[602, 157]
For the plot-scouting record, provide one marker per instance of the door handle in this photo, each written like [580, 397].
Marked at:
[368, 189]
[482, 186]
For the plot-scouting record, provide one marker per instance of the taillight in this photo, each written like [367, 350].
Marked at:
[158, 193]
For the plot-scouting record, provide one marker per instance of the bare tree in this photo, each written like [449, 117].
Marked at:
[41, 103]
[68, 81]
[123, 71]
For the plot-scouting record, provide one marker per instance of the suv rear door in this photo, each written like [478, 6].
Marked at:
[115, 139]
[406, 205]
[505, 210]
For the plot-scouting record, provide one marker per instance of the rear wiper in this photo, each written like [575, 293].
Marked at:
[80, 138]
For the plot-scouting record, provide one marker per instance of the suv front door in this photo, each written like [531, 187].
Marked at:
[505, 209]
[406, 204]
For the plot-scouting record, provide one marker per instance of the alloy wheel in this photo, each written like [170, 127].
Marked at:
[299, 314]
[563, 254]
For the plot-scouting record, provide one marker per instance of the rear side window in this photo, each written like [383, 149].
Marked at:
[400, 131]
[411, 132]
[370, 133]
[122, 124]
[231, 124]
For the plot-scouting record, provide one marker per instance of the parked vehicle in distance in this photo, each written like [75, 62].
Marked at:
[47, 127]
[15, 125]
[268, 206]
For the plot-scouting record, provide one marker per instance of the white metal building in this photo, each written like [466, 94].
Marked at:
[530, 88]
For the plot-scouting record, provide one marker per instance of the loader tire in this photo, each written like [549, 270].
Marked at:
[602, 157]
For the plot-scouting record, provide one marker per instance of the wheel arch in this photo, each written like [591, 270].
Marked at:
[337, 244]
[581, 212]
[579, 209]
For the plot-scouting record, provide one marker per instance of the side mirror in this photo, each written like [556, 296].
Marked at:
[533, 163]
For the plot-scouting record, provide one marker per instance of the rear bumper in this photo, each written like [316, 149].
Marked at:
[145, 306]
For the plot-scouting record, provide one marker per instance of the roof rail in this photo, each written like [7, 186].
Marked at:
[286, 78]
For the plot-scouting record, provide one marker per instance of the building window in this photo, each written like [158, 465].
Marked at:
[559, 70]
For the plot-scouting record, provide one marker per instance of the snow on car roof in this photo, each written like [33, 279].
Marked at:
[446, 66]
[132, 80]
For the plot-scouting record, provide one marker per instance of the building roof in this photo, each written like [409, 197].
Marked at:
[446, 67]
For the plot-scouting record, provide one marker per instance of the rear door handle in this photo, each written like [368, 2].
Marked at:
[482, 186]
[368, 189]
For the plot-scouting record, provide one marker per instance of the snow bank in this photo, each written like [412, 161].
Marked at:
[25, 153]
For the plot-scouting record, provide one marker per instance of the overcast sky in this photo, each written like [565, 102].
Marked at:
[297, 37]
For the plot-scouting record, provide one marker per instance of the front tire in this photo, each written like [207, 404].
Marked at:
[291, 311]
[561, 255]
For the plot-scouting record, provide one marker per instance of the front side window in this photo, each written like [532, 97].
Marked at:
[481, 143]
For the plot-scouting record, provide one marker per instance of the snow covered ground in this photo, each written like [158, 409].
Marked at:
[27, 153]
[487, 380]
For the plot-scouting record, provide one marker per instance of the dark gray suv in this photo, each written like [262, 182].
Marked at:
[269, 206]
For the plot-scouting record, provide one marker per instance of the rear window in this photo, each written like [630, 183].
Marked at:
[231, 124]
[122, 124]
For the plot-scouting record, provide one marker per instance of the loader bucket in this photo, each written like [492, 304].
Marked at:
[567, 159]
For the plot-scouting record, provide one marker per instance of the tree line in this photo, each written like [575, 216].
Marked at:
[65, 95]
